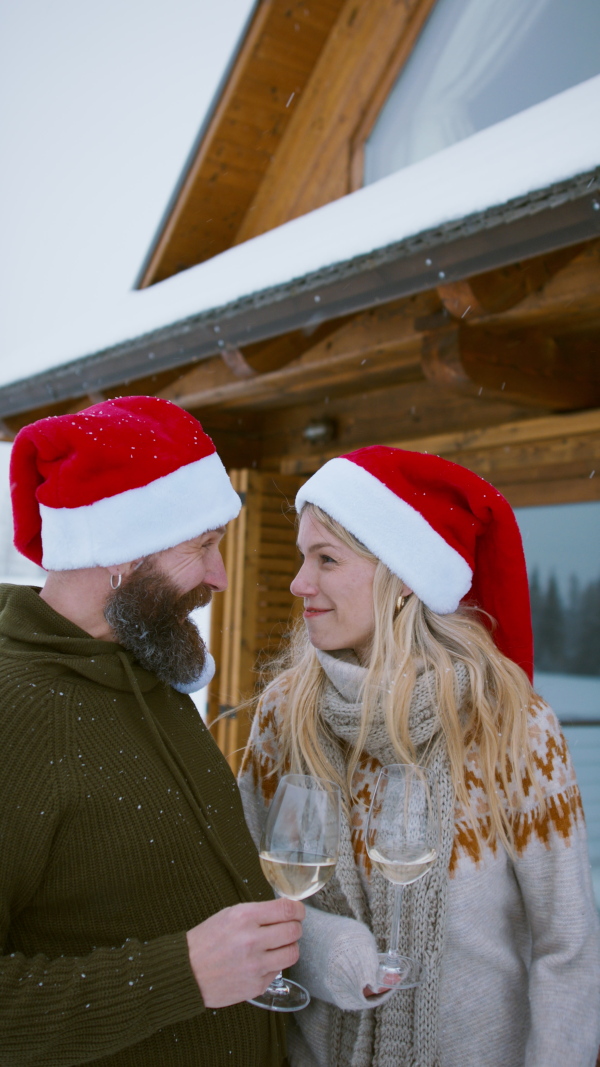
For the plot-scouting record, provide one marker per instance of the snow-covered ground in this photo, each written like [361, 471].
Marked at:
[584, 744]
[571, 695]
[574, 697]
[548, 143]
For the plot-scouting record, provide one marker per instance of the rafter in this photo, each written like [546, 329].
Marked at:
[381, 343]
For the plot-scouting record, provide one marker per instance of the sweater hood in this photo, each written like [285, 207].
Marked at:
[31, 633]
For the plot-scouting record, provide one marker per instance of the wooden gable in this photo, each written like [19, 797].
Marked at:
[286, 135]
[270, 74]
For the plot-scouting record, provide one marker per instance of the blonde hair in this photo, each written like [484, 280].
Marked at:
[404, 644]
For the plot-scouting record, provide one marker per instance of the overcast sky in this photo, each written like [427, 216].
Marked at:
[100, 105]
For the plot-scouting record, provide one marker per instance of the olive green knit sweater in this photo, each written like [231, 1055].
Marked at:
[120, 828]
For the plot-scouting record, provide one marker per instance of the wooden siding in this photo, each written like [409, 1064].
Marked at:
[551, 460]
[252, 619]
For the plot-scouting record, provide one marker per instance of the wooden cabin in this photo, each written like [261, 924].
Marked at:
[472, 333]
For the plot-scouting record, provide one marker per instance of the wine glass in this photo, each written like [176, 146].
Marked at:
[298, 853]
[403, 841]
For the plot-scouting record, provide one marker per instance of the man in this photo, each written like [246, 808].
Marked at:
[134, 919]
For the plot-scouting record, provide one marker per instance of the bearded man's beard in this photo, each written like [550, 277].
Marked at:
[149, 617]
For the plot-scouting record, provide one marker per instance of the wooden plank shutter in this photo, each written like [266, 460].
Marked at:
[252, 619]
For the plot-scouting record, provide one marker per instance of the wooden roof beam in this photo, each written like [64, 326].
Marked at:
[570, 296]
[527, 366]
[400, 341]
[381, 343]
[498, 290]
[538, 223]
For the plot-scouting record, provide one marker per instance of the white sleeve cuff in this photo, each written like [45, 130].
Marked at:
[338, 959]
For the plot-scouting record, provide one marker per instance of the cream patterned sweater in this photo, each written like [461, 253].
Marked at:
[520, 971]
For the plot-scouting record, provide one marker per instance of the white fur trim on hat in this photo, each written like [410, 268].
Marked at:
[188, 502]
[392, 530]
[206, 675]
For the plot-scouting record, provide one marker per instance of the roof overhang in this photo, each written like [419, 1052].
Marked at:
[183, 320]
[549, 219]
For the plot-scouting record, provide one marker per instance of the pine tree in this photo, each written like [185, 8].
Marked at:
[587, 654]
[536, 599]
[550, 635]
[573, 625]
[535, 593]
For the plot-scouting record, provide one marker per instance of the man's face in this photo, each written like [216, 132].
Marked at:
[195, 562]
[149, 613]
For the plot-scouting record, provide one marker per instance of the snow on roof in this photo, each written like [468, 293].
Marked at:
[548, 143]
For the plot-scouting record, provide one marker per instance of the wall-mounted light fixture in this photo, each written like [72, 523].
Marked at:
[319, 431]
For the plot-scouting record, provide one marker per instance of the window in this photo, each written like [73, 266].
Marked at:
[562, 548]
[475, 63]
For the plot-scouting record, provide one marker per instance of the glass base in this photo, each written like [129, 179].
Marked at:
[287, 996]
[397, 971]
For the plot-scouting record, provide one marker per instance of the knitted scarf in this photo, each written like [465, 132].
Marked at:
[403, 1031]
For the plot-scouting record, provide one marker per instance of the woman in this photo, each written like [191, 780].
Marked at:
[417, 647]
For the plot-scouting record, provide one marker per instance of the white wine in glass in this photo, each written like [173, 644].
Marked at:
[298, 853]
[296, 874]
[404, 865]
[403, 840]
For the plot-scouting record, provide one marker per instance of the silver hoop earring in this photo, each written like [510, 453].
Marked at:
[119, 578]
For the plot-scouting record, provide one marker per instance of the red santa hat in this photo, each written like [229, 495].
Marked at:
[116, 482]
[443, 530]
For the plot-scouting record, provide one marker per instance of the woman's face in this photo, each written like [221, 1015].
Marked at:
[337, 587]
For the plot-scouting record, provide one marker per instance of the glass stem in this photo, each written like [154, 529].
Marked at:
[395, 933]
[277, 985]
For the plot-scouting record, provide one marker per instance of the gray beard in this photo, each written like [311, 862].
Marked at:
[149, 617]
